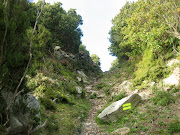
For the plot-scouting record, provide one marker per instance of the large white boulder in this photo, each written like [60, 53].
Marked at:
[172, 62]
[173, 79]
[119, 108]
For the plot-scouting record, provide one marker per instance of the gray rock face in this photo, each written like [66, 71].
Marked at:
[62, 54]
[24, 113]
[82, 77]
[119, 108]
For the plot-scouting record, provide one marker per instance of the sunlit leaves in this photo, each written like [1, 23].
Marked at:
[144, 27]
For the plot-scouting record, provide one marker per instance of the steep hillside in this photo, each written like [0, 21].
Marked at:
[157, 112]
[43, 69]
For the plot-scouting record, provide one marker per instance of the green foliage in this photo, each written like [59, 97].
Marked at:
[106, 91]
[69, 86]
[162, 98]
[100, 86]
[140, 33]
[114, 64]
[14, 46]
[64, 26]
[48, 104]
[150, 68]
[174, 127]
[178, 58]
[82, 48]
[52, 124]
[96, 59]
[174, 90]
[83, 94]
[119, 96]
[92, 96]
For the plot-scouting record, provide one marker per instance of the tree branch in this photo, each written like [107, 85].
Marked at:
[30, 54]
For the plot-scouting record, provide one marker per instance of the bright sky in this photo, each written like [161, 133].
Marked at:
[97, 16]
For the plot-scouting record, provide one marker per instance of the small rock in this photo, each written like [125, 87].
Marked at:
[121, 131]
[88, 87]
[79, 89]
[101, 96]
[152, 84]
[79, 79]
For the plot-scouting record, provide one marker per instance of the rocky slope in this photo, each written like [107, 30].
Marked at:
[157, 112]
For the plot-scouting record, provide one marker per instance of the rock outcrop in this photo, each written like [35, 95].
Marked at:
[24, 113]
[119, 108]
[82, 60]
[174, 78]
[82, 77]
[124, 86]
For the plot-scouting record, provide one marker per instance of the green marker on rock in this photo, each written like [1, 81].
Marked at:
[126, 106]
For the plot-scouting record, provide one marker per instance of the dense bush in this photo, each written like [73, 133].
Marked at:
[47, 103]
[143, 32]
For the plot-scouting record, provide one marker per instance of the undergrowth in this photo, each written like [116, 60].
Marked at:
[61, 105]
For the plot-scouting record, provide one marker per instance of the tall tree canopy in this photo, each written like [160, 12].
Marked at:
[96, 59]
[64, 26]
[144, 24]
[146, 30]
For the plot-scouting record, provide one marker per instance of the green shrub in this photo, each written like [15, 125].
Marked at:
[174, 90]
[162, 98]
[117, 75]
[150, 68]
[47, 103]
[70, 87]
[100, 86]
[83, 94]
[174, 127]
[93, 96]
[178, 58]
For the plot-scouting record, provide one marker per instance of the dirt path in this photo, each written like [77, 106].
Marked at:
[90, 126]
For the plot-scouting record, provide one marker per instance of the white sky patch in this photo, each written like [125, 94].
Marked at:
[97, 16]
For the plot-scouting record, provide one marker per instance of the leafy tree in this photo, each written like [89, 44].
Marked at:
[116, 35]
[114, 64]
[82, 48]
[143, 27]
[14, 21]
[64, 26]
[96, 59]
[14, 44]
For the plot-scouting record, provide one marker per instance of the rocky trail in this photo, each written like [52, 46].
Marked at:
[90, 126]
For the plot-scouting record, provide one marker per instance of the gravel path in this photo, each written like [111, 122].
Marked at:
[90, 126]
